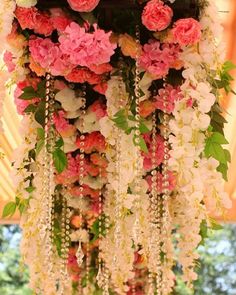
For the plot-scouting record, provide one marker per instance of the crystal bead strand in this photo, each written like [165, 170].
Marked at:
[165, 184]
[48, 172]
[106, 270]
[136, 228]
[79, 252]
[100, 275]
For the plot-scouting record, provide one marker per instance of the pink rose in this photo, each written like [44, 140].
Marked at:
[101, 88]
[99, 109]
[187, 31]
[156, 16]
[94, 141]
[83, 5]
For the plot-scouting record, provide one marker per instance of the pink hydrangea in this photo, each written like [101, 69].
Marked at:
[62, 125]
[83, 5]
[156, 15]
[48, 55]
[157, 59]
[31, 18]
[94, 141]
[8, 60]
[99, 109]
[86, 49]
[186, 31]
[70, 174]
[147, 157]
[170, 94]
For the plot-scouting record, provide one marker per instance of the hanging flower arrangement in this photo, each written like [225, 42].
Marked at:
[123, 152]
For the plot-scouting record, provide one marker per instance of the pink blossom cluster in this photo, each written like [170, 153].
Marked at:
[159, 154]
[158, 58]
[86, 49]
[83, 5]
[49, 56]
[42, 22]
[170, 95]
[156, 15]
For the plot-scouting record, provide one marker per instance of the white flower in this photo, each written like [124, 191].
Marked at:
[68, 100]
[88, 122]
[26, 3]
[79, 235]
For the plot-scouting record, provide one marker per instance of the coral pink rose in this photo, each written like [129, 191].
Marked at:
[156, 16]
[146, 108]
[99, 109]
[101, 88]
[101, 69]
[94, 141]
[186, 31]
[82, 75]
[83, 5]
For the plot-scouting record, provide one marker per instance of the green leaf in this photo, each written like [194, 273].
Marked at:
[9, 209]
[143, 128]
[41, 91]
[217, 137]
[30, 189]
[39, 146]
[215, 225]
[59, 142]
[28, 93]
[223, 169]
[59, 160]
[30, 109]
[203, 231]
[227, 155]
[40, 114]
[40, 133]
[228, 66]
[141, 144]
[216, 151]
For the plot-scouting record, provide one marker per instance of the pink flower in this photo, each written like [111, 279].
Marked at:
[171, 95]
[101, 69]
[83, 5]
[157, 59]
[48, 55]
[86, 49]
[8, 60]
[94, 141]
[87, 192]
[99, 109]
[98, 160]
[62, 125]
[147, 161]
[101, 88]
[160, 188]
[187, 31]
[83, 75]
[156, 16]
[31, 18]
[60, 23]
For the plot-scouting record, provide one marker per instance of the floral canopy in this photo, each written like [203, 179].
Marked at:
[123, 150]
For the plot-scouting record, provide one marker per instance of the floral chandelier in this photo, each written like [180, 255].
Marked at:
[123, 150]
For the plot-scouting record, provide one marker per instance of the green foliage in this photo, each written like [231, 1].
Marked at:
[223, 81]
[13, 275]
[95, 229]
[214, 149]
[59, 160]
[126, 122]
[30, 93]
[9, 209]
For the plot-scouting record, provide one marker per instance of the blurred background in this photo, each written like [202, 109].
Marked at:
[217, 268]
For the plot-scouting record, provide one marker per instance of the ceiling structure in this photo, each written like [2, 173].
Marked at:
[11, 137]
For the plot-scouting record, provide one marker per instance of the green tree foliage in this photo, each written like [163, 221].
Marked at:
[13, 277]
[217, 271]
